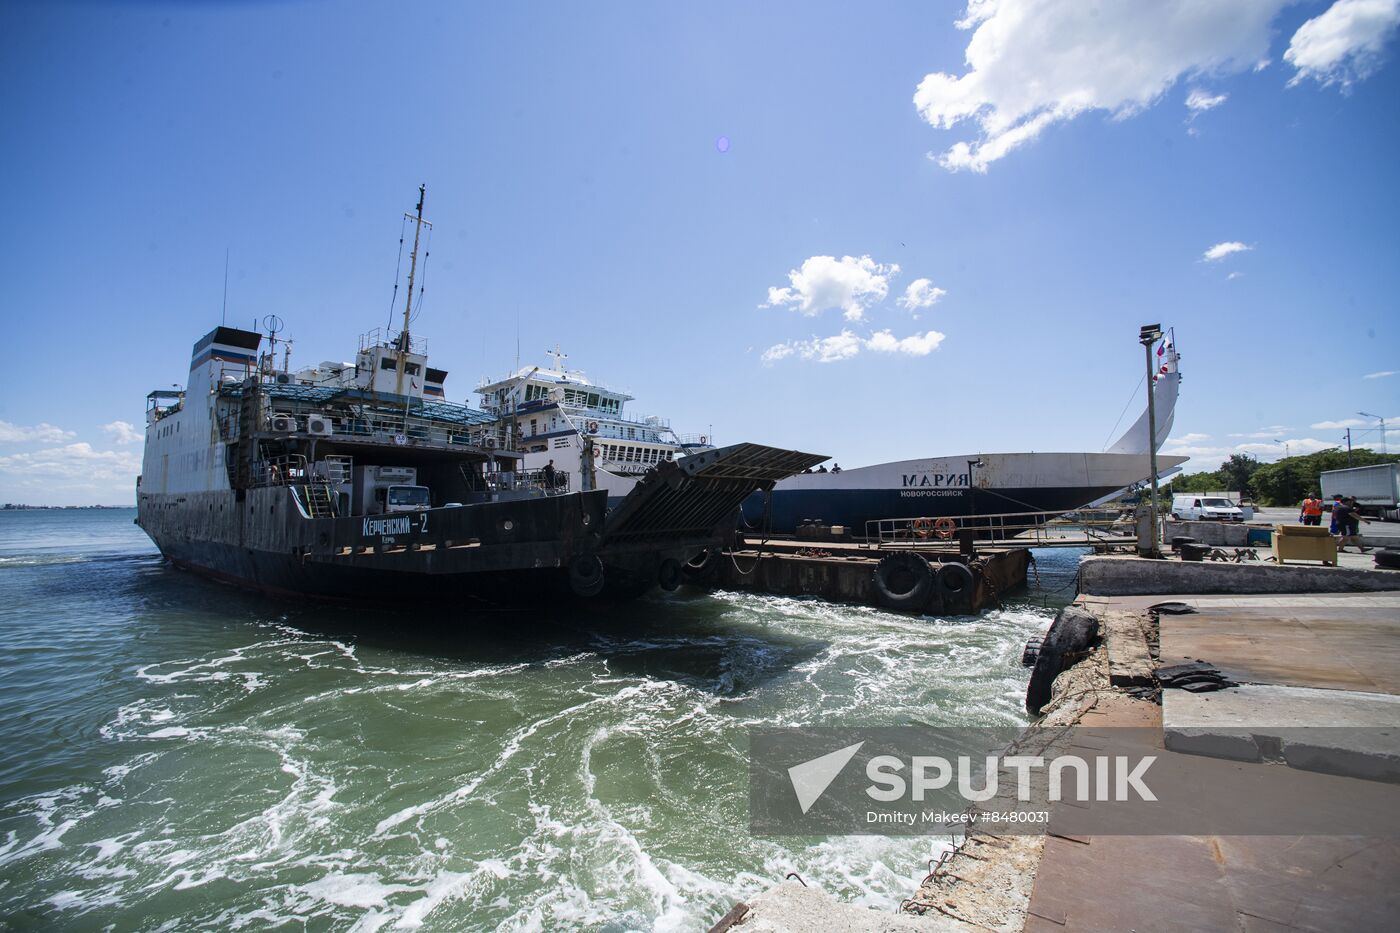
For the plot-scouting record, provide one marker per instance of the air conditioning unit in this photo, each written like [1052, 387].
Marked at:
[284, 379]
[490, 442]
[320, 424]
[284, 424]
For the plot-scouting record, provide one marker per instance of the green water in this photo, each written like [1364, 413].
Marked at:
[175, 755]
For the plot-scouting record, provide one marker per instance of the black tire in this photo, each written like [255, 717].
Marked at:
[1073, 630]
[668, 575]
[903, 581]
[1030, 652]
[586, 575]
[1388, 558]
[955, 582]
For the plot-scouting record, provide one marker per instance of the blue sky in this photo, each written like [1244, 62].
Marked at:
[581, 194]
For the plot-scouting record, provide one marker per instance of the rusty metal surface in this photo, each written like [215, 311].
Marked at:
[697, 497]
[1346, 647]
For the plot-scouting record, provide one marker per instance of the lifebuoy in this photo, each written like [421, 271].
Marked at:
[592, 427]
[945, 527]
[903, 580]
[922, 526]
[704, 439]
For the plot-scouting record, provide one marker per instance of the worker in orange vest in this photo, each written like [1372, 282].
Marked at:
[1312, 510]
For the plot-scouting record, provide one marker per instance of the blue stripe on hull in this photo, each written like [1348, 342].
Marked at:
[854, 507]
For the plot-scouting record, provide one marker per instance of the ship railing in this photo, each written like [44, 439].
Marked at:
[380, 337]
[284, 470]
[400, 429]
[533, 481]
[1021, 529]
[695, 440]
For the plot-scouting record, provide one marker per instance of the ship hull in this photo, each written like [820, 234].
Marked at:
[490, 555]
[1045, 483]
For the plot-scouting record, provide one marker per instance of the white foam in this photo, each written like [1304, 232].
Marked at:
[353, 890]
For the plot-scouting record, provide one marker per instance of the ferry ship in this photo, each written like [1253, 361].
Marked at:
[358, 481]
[976, 485]
[557, 416]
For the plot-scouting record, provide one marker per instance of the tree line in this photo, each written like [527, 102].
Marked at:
[1282, 483]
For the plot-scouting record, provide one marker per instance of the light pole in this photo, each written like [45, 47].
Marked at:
[972, 487]
[1148, 335]
[1287, 448]
[1367, 414]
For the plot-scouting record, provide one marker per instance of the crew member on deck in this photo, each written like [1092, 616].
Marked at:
[549, 475]
[1312, 510]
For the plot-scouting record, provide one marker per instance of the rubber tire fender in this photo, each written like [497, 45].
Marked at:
[955, 582]
[586, 575]
[669, 575]
[892, 574]
[1073, 630]
[1388, 557]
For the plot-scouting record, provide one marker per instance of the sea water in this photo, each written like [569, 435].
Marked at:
[176, 755]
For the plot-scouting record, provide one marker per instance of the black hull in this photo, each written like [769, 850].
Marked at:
[854, 507]
[491, 555]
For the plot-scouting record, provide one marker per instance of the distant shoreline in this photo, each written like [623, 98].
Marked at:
[12, 507]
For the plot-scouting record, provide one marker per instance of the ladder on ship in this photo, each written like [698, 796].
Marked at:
[319, 501]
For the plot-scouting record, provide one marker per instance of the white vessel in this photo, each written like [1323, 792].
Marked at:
[558, 415]
[555, 414]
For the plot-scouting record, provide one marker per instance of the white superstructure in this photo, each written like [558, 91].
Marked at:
[558, 414]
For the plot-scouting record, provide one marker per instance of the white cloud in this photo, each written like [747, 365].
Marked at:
[1034, 63]
[1220, 250]
[849, 283]
[1205, 457]
[1199, 101]
[123, 432]
[1380, 375]
[921, 293]
[68, 474]
[1343, 44]
[1350, 423]
[43, 432]
[847, 344]
[1189, 439]
[915, 345]
[1234, 275]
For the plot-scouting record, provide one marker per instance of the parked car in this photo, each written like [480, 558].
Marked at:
[1194, 507]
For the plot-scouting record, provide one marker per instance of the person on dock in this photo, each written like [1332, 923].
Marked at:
[1336, 501]
[1349, 522]
[1311, 513]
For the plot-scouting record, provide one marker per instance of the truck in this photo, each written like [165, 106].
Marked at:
[1200, 506]
[1375, 488]
[382, 490]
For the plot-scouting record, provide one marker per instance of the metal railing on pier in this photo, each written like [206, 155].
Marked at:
[1014, 529]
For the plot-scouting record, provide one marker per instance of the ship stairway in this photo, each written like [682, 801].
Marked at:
[319, 501]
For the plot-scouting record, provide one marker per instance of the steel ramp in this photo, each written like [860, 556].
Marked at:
[696, 498]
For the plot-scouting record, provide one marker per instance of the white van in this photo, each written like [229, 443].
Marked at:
[1195, 506]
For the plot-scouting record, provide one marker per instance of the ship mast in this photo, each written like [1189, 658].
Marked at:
[418, 224]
